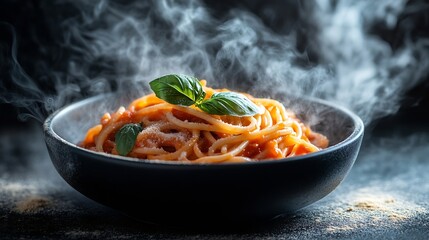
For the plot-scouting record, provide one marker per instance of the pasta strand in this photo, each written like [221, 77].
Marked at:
[187, 134]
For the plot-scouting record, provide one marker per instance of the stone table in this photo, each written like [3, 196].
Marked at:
[385, 196]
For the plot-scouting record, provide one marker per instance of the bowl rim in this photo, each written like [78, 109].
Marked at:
[358, 131]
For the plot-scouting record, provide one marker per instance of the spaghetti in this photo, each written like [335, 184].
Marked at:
[187, 134]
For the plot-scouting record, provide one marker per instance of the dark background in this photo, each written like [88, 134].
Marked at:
[40, 34]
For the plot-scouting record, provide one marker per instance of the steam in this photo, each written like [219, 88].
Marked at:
[371, 77]
[120, 47]
[28, 95]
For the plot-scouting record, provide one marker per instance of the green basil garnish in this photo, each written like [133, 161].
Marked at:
[126, 137]
[186, 91]
[178, 89]
[229, 103]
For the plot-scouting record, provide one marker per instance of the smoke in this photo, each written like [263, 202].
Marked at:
[120, 47]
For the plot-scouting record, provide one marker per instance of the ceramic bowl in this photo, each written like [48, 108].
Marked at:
[184, 194]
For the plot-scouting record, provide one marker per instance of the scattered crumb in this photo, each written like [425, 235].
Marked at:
[367, 205]
[377, 207]
[32, 204]
[339, 228]
[368, 208]
[397, 217]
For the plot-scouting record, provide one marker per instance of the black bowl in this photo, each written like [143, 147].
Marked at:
[185, 194]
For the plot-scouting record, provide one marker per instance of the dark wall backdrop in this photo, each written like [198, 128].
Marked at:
[384, 196]
[40, 34]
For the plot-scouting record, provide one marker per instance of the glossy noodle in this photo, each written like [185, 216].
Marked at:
[187, 134]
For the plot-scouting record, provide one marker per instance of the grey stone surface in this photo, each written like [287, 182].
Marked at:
[385, 196]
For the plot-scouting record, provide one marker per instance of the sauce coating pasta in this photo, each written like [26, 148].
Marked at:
[187, 134]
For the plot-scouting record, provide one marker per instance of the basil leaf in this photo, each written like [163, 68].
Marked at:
[178, 89]
[183, 90]
[229, 103]
[126, 137]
